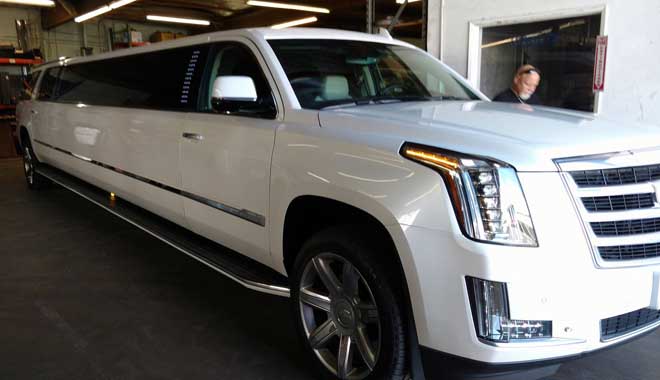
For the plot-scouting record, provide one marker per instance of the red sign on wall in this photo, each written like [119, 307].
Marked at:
[599, 63]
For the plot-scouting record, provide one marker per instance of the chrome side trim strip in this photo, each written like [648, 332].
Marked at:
[260, 287]
[244, 214]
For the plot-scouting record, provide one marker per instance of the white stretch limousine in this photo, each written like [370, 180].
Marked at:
[417, 227]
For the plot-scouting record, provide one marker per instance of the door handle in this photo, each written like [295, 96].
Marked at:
[34, 112]
[193, 136]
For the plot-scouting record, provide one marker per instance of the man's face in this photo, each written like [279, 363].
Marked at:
[525, 84]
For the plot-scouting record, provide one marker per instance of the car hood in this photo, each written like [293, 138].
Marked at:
[527, 137]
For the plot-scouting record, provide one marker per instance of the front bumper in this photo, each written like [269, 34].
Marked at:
[576, 298]
[440, 365]
[557, 281]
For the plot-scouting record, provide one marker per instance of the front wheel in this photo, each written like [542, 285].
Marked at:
[348, 307]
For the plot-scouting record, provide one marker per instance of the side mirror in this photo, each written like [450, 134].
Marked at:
[231, 93]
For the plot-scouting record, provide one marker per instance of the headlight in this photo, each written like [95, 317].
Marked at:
[486, 195]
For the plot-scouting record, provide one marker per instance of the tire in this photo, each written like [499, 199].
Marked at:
[347, 306]
[34, 180]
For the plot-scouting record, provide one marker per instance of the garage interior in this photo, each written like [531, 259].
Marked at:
[85, 295]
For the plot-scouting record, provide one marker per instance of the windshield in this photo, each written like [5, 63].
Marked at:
[327, 73]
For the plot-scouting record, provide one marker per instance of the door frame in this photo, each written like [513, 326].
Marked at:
[476, 27]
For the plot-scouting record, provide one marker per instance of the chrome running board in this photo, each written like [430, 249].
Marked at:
[247, 272]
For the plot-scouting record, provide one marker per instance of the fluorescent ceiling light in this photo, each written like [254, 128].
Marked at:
[295, 23]
[103, 9]
[409, 1]
[41, 3]
[121, 3]
[178, 20]
[269, 4]
[92, 14]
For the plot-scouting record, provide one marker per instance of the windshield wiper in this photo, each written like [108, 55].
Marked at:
[384, 99]
[402, 98]
[381, 99]
[448, 97]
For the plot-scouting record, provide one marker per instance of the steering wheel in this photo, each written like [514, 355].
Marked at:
[392, 89]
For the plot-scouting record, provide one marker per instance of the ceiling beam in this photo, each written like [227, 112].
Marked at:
[68, 7]
[54, 17]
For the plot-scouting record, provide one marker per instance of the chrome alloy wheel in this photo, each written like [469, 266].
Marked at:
[28, 165]
[340, 316]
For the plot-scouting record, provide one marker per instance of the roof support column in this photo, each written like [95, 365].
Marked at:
[434, 27]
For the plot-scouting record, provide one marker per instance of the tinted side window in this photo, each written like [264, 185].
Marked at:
[235, 59]
[166, 80]
[48, 84]
[69, 82]
[98, 83]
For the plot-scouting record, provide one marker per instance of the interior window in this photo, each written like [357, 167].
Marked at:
[237, 60]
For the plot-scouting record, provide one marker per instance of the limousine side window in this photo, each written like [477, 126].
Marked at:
[48, 83]
[68, 83]
[163, 80]
[235, 59]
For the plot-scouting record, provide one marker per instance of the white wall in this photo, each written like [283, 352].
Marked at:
[632, 87]
[7, 17]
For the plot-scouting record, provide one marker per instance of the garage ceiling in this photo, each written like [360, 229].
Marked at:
[231, 14]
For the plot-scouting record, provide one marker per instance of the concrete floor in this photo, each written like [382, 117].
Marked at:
[84, 295]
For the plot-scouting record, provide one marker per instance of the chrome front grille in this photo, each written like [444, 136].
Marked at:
[626, 227]
[617, 197]
[619, 202]
[630, 252]
[618, 176]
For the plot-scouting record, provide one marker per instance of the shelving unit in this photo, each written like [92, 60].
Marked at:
[8, 136]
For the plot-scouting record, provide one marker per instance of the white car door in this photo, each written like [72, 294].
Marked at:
[141, 112]
[226, 156]
[40, 114]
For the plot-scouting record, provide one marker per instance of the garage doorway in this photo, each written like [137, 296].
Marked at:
[563, 48]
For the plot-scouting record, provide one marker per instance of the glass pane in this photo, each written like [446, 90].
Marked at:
[69, 82]
[330, 72]
[47, 86]
[562, 49]
[165, 80]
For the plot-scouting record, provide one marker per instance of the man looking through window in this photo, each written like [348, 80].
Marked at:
[522, 89]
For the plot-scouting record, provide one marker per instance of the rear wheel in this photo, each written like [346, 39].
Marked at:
[347, 307]
[35, 181]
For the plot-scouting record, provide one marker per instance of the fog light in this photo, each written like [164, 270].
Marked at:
[490, 310]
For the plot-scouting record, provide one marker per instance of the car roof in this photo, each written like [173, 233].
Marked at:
[255, 33]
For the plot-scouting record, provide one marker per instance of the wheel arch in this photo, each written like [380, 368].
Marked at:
[325, 212]
[23, 135]
[328, 212]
